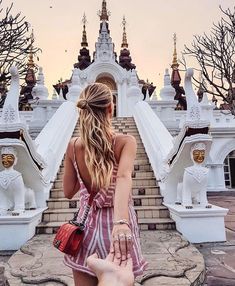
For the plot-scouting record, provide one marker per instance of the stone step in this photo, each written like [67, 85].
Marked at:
[159, 224]
[135, 174]
[138, 200]
[62, 214]
[139, 182]
[144, 224]
[138, 161]
[145, 166]
[144, 190]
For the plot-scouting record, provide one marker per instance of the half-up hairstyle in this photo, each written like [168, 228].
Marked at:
[96, 133]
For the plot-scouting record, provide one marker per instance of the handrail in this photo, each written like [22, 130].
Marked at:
[156, 138]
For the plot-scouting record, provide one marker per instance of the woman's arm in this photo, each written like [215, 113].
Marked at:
[71, 183]
[120, 244]
[124, 179]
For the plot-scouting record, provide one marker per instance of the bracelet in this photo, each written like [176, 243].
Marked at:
[122, 221]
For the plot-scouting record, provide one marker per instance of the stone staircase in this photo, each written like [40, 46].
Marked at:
[152, 215]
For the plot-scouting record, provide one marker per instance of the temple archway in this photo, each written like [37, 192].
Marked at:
[108, 80]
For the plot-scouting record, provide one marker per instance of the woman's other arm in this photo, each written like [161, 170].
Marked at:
[120, 244]
[71, 184]
[124, 179]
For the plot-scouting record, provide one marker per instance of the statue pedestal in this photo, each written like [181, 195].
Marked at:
[16, 230]
[199, 224]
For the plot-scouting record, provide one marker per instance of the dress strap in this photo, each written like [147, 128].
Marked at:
[114, 141]
[75, 160]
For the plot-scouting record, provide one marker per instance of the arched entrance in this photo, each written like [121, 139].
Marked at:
[108, 80]
[229, 170]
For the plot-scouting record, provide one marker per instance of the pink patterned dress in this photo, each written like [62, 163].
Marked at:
[98, 230]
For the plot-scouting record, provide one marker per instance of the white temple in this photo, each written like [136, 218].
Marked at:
[162, 128]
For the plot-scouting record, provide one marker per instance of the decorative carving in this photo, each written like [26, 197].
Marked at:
[9, 114]
[14, 195]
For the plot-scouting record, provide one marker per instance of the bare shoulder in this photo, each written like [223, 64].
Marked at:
[74, 142]
[125, 139]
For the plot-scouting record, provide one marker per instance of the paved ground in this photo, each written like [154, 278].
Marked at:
[172, 261]
[220, 257]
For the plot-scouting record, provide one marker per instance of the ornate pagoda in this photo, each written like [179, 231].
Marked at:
[176, 80]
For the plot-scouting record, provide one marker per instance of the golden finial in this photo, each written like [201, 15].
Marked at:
[124, 37]
[104, 13]
[84, 36]
[175, 64]
[30, 63]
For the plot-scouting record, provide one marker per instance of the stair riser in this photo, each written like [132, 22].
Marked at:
[58, 217]
[135, 183]
[137, 162]
[67, 204]
[137, 167]
[133, 133]
[58, 193]
[135, 174]
[165, 226]
[148, 202]
[152, 214]
[63, 205]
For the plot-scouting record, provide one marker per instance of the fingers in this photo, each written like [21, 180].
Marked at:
[129, 262]
[117, 251]
[122, 245]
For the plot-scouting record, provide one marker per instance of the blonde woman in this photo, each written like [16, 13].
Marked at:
[101, 162]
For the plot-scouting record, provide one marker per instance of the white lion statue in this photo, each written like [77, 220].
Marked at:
[193, 189]
[15, 197]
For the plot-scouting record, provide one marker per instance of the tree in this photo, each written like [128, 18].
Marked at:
[15, 43]
[215, 54]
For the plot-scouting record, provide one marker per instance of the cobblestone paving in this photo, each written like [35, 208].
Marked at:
[220, 257]
[172, 261]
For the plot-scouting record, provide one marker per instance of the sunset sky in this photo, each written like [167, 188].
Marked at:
[150, 26]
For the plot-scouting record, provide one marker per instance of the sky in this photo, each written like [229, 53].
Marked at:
[57, 28]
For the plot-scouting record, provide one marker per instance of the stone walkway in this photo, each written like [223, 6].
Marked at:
[172, 261]
[220, 257]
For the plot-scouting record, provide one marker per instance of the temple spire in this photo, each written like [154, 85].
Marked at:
[124, 37]
[84, 42]
[30, 63]
[175, 64]
[84, 59]
[104, 13]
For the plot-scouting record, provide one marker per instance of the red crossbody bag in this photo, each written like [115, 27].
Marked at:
[70, 235]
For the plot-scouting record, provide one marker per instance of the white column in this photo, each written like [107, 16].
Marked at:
[216, 180]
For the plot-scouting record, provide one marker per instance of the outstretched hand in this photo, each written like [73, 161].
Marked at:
[109, 271]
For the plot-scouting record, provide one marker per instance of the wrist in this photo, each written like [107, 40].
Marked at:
[121, 222]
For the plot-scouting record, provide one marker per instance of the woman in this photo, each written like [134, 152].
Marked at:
[101, 162]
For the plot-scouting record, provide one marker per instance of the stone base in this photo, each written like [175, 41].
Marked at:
[16, 230]
[199, 224]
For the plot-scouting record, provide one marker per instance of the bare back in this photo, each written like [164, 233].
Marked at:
[124, 160]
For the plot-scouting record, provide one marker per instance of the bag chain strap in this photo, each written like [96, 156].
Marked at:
[92, 195]
[83, 221]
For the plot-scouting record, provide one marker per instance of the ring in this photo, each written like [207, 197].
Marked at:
[121, 235]
[129, 237]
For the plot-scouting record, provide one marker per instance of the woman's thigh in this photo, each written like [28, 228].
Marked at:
[84, 279]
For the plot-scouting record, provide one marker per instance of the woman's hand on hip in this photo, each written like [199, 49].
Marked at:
[121, 242]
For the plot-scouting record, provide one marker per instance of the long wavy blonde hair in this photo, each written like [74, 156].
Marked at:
[96, 133]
